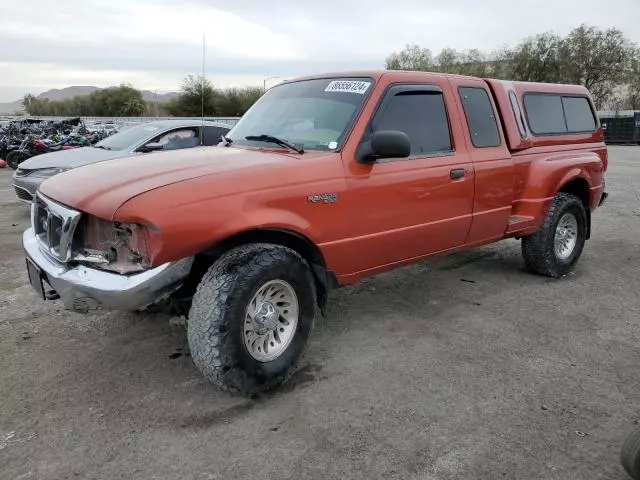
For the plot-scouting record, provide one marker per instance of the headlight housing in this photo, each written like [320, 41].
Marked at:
[47, 172]
[113, 246]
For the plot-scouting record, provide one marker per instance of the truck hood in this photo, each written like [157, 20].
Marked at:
[102, 188]
[76, 157]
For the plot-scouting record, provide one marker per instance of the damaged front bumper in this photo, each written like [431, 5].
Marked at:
[82, 288]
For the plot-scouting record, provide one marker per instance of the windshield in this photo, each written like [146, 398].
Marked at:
[311, 114]
[129, 138]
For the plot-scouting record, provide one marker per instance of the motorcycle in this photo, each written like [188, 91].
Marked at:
[30, 147]
[19, 155]
[26, 138]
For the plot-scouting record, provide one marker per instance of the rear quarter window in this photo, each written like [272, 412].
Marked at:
[579, 115]
[553, 114]
[545, 114]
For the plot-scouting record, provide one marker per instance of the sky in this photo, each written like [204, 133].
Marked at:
[154, 44]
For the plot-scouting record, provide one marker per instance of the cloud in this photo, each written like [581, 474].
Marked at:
[154, 44]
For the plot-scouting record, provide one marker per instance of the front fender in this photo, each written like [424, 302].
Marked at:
[186, 236]
[189, 228]
[265, 218]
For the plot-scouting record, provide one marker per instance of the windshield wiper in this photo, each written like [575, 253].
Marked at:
[276, 140]
[102, 147]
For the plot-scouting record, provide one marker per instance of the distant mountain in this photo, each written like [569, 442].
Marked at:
[78, 91]
[150, 96]
[65, 93]
[9, 108]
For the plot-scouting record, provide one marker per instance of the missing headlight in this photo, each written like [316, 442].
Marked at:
[121, 248]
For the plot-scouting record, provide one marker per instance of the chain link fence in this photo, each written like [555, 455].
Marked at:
[125, 120]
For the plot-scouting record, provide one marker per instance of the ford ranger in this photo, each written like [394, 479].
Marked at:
[326, 180]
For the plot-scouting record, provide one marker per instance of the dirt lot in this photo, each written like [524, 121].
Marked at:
[465, 367]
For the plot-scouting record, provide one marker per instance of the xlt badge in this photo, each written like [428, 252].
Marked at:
[323, 197]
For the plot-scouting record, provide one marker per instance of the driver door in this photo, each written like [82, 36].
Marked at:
[404, 208]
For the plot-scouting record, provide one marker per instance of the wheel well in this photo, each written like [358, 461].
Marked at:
[299, 243]
[580, 188]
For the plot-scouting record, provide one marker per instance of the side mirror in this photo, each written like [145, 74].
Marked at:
[386, 144]
[151, 147]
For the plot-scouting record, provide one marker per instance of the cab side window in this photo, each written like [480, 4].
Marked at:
[176, 135]
[421, 114]
[481, 119]
[212, 135]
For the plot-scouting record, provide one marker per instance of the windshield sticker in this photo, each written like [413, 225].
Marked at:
[348, 86]
[333, 145]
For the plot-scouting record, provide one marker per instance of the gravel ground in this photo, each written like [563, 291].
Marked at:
[465, 367]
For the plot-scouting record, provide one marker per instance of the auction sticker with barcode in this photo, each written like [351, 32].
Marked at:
[348, 86]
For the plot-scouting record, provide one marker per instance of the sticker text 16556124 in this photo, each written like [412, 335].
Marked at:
[348, 86]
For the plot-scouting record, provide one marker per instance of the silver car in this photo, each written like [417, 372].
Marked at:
[139, 139]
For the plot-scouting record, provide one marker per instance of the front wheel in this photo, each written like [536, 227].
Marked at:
[630, 455]
[556, 247]
[252, 317]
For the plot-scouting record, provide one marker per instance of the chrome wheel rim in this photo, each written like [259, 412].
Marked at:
[270, 321]
[566, 237]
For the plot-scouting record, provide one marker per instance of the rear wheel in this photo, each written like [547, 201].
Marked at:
[15, 158]
[556, 247]
[252, 317]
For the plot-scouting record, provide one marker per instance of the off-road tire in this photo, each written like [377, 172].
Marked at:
[15, 158]
[217, 315]
[538, 249]
[630, 455]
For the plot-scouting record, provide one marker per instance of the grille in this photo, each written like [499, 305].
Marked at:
[54, 226]
[23, 194]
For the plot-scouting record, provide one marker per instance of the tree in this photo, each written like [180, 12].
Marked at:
[114, 101]
[413, 57]
[603, 61]
[234, 102]
[536, 59]
[472, 62]
[27, 102]
[467, 62]
[633, 79]
[133, 107]
[109, 102]
[195, 91]
[596, 59]
[447, 60]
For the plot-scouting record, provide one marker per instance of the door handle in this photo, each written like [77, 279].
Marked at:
[456, 173]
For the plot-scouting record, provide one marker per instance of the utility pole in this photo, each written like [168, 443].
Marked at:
[204, 50]
[157, 109]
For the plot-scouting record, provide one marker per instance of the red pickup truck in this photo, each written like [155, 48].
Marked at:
[325, 181]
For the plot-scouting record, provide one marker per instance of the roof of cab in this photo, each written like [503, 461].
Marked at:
[375, 75]
[524, 87]
[520, 87]
[186, 122]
